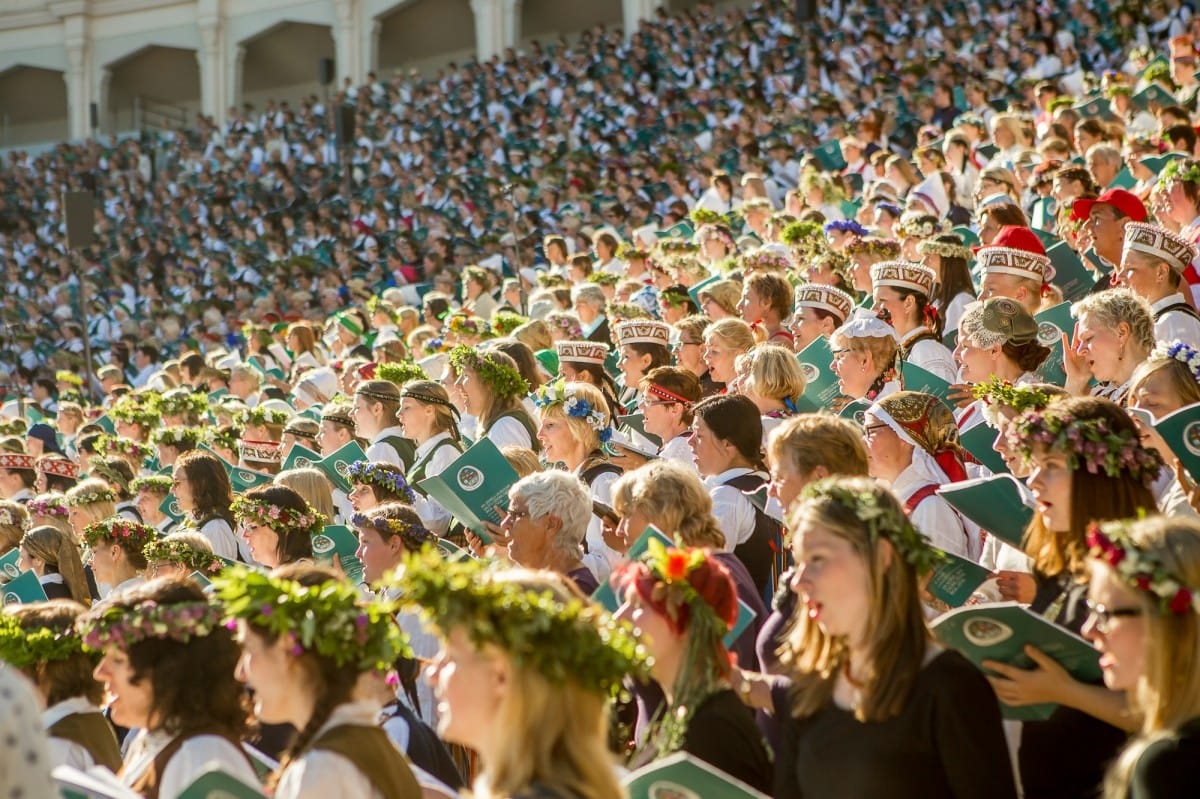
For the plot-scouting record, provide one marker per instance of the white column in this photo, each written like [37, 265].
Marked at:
[213, 66]
[78, 43]
[235, 58]
[634, 11]
[370, 44]
[512, 23]
[346, 37]
[490, 26]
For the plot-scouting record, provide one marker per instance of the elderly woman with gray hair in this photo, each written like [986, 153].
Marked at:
[590, 302]
[547, 518]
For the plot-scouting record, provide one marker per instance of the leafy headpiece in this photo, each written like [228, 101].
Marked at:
[1090, 443]
[123, 627]
[1111, 543]
[504, 380]
[22, 647]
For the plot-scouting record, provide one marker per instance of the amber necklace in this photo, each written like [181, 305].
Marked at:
[856, 687]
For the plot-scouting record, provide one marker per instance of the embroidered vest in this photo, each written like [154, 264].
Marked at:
[762, 553]
[374, 755]
[93, 732]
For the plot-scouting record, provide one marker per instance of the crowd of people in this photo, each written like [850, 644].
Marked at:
[745, 320]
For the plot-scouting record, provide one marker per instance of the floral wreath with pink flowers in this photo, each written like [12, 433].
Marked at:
[123, 627]
[1089, 443]
[280, 519]
[48, 505]
[126, 533]
[1111, 543]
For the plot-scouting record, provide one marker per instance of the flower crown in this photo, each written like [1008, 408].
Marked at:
[178, 550]
[505, 322]
[909, 227]
[565, 324]
[433, 346]
[627, 252]
[136, 410]
[846, 226]
[603, 278]
[328, 619]
[674, 299]
[562, 641]
[277, 518]
[63, 376]
[13, 427]
[400, 373]
[504, 380]
[177, 403]
[371, 474]
[413, 535]
[1186, 354]
[89, 497]
[122, 446]
[174, 436]
[881, 523]
[227, 439]
[260, 416]
[123, 627]
[622, 311]
[9, 519]
[996, 391]
[671, 567]
[674, 245]
[888, 249]
[1111, 543]
[765, 260]
[1087, 442]
[462, 324]
[21, 647]
[48, 505]
[803, 236]
[154, 484]
[1175, 171]
[945, 249]
[119, 530]
[559, 393]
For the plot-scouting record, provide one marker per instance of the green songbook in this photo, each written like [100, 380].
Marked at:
[956, 579]
[916, 378]
[1123, 180]
[1181, 431]
[694, 291]
[855, 411]
[1152, 95]
[821, 389]
[980, 441]
[994, 503]
[1071, 277]
[300, 457]
[339, 542]
[473, 486]
[23, 589]
[169, 507]
[219, 785]
[10, 568]
[1053, 323]
[1001, 631]
[684, 776]
[336, 466]
[829, 156]
[201, 579]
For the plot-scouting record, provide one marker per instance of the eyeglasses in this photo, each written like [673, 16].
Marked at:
[177, 481]
[1102, 616]
[644, 403]
[515, 515]
[869, 430]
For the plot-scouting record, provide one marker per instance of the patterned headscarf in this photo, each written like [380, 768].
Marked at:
[927, 423]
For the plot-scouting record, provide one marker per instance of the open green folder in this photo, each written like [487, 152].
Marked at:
[980, 441]
[338, 541]
[336, 466]
[300, 457]
[607, 598]
[694, 291]
[1001, 632]
[681, 775]
[1052, 324]
[473, 486]
[24, 589]
[855, 411]
[242, 479]
[170, 508]
[956, 579]
[821, 389]
[994, 503]
[10, 568]
[1070, 275]
[1181, 431]
[916, 378]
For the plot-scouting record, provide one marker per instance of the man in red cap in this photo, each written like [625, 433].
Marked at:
[1104, 221]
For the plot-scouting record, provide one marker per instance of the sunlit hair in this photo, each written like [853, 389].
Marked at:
[774, 373]
[895, 622]
[812, 440]
[671, 497]
[581, 431]
[1179, 378]
[1167, 695]
[1108, 309]
[313, 486]
[59, 550]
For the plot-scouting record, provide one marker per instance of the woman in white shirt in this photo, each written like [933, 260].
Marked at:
[492, 390]
[429, 419]
[168, 669]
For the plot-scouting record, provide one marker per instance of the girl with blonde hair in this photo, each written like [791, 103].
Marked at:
[724, 341]
[774, 382]
[54, 556]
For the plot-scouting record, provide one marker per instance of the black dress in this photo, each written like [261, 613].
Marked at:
[1167, 769]
[722, 733]
[947, 743]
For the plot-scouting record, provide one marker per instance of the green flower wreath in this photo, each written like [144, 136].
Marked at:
[1175, 171]
[504, 380]
[1088, 443]
[126, 532]
[505, 322]
[400, 372]
[227, 439]
[329, 619]
[561, 641]
[21, 647]
[136, 409]
[276, 517]
[181, 552]
[603, 278]
[154, 484]
[997, 391]
[178, 403]
[82, 498]
[122, 446]
[121, 627]
[261, 415]
[175, 436]
[881, 523]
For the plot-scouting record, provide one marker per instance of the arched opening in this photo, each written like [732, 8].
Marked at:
[156, 87]
[547, 19]
[425, 35]
[42, 113]
[283, 63]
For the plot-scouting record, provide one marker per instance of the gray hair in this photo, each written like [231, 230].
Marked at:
[591, 293]
[1108, 308]
[558, 494]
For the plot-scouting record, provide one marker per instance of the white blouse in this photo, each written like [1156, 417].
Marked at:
[193, 759]
[322, 775]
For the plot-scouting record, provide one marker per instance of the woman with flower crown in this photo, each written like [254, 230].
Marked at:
[277, 524]
[306, 639]
[574, 425]
[1144, 603]
[40, 639]
[167, 664]
[430, 420]
[1086, 465]
[115, 553]
[876, 707]
[524, 676]
[681, 603]
[492, 391]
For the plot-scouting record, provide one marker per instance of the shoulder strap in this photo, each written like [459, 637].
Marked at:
[920, 495]
[522, 416]
[93, 732]
[404, 448]
[374, 755]
[906, 349]
[1182, 307]
[595, 466]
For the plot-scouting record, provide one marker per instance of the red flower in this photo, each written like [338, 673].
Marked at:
[1181, 602]
[1143, 582]
[1114, 555]
[676, 566]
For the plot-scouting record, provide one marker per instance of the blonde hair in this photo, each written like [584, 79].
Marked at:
[673, 499]
[96, 511]
[60, 552]
[581, 431]
[534, 334]
[444, 420]
[1167, 695]
[555, 732]
[731, 332]
[1110, 308]
[313, 486]
[10, 533]
[882, 349]
[523, 460]
[813, 440]
[774, 373]
[895, 620]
